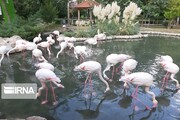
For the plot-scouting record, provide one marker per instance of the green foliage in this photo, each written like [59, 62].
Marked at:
[26, 8]
[173, 9]
[25, 29]
[86, 33]
[111, 28]
[48, 11]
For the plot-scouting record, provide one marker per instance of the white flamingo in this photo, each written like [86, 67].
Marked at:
[44, 45]
[80, 50]
[63, 45]
[30, 46]
[112, 60]
[92, 67]
[91, 41]
[141, 79]
[38, 54]
[127, 67]
[3, 50]
[172, 69]
[37, 39]
[46, 75]
[100, 36]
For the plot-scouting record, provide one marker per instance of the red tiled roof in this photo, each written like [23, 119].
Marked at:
[87, 4]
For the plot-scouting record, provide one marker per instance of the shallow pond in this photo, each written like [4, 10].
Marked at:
[116, 104]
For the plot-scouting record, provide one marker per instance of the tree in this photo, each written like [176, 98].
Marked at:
[173, 10]
[26, 8]
[48, 11]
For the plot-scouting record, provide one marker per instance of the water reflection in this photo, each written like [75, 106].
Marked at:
[116, 104]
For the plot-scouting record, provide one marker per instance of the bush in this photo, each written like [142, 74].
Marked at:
[26, 29]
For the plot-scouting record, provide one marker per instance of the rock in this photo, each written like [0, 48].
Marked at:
[35, 118]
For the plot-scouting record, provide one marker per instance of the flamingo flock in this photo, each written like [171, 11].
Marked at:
[126, 64]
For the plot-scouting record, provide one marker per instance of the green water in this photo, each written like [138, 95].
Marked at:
[114, 105]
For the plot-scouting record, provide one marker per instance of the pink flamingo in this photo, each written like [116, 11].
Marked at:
[166, 58]
[46, 75]
[91, 67]
[141, 79]
[127, 67]
[80, 50]
[44, 45]
[38, 54]
[37, 39]
[112, 60]
[172, 69]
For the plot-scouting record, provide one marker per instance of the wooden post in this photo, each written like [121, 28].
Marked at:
[79, 14]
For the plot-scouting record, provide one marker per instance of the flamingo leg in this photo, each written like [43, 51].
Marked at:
[118, 68]
[134, 95]
[40, 90]
[165, 79]
[45, 101]
[85, 82]
[90, 82]
[113, 73]
[54, 96]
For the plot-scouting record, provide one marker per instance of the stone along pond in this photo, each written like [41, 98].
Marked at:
[116, 104]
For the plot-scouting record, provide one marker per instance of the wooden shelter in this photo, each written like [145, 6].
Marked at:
[86, 4]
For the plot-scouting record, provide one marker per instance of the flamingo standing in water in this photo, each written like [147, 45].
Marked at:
[63, 45]
[141, 79]
[44, 45]
[80, 50]
[46, 75]
[172, 69]
[112, 60]
[91, 67]
[38, 54]
[127, 67]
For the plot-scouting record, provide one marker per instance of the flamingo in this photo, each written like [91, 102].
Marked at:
[127, 67]
[46, 45]
[38, 54]
[112, 60]
[50, 40]
[46, 75]
[45, 65]
[3, 50]
[20, 45]
[141, 79]
[30, 46]
[80, 50]
[60, 38]
[172, 69]
[91, 41]
[37, 39]
[91, 67]
[100, 36]
[63, 45]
